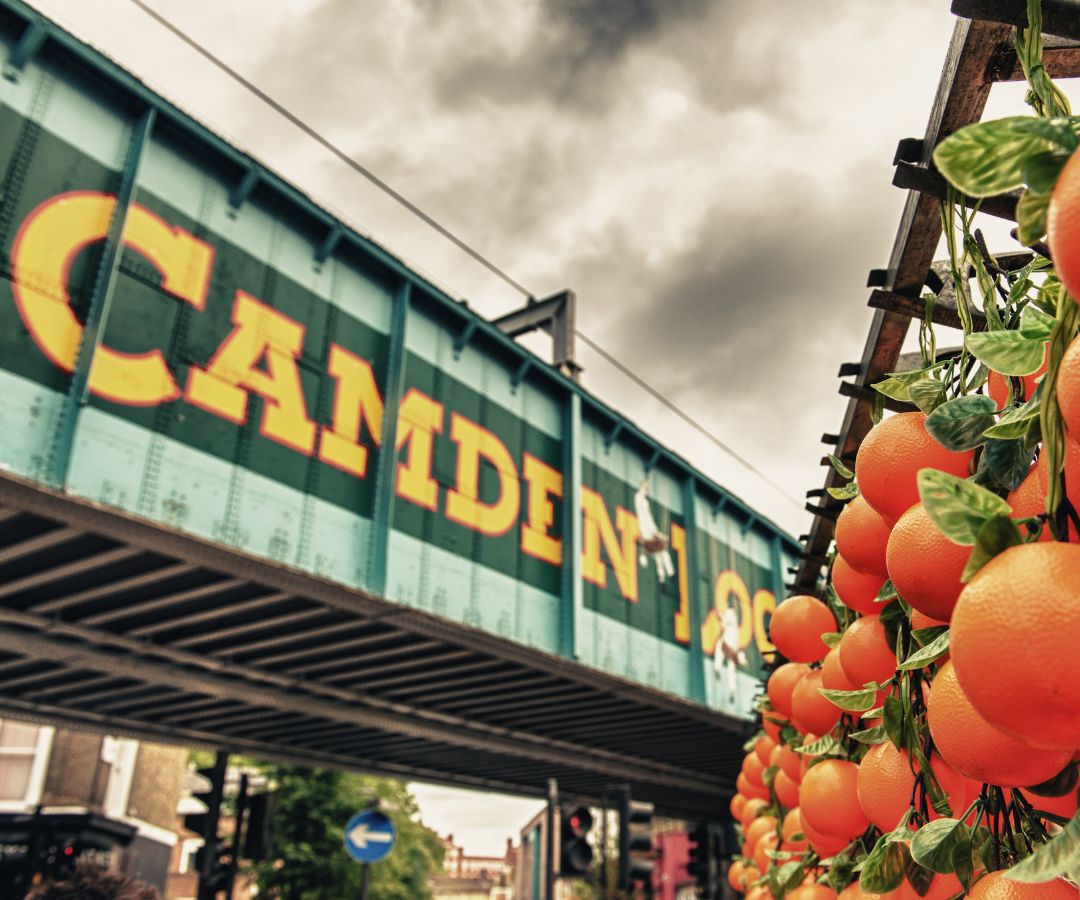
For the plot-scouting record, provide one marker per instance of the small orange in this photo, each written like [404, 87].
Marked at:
[973, 747]
[749, 790]
[854, 892]
[737, 805]
[809, 708]
[825, 845]
[765, 843]
[1015, 642]
[812, 892]
[943, 887]
[997, 385]
[772, 723]
[764, 748]
[996, 886]
[1029, 500]
[740, 876]
[924, 565]
[922, 620]
[792, 827]
[797, 626]
[865, 654]
[788, 761]
[760, 826]
[833, 676]
[829, 799]
[752, 768]
[782, 682]
[786, 789]
[856, 590]
[1063, 225]
[861, 537]
[753, 808]
[890, 458]
[761, 892]
[886, 785]
[1068, 388]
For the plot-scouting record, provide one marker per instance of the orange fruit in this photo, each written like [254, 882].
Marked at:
[738, 804]
[1029, 499]
[825, 845]
[772, 723]
[886, 784]
[997, 385]
[829, 799]
[740, 875]
[996, 886]
[973, 747]
[793, 826]
[924, 565]
[865, 654]
[759, 827]
[856, 590]
[764, 748]
[749, 790]
[1068, 388]
[941, 888]
[760, 893]
[765, 843]
[788, 761]
[922, 620]
[832, 673]
[854, 892]
[1063, 225]
[861, 537]
[797, 626]
[786, 789]
[890, 458]
[1064, 806]
[812, 892]
[809, 708]
[782, 682]
[1015, 643]
[752, 768]
[754, 806]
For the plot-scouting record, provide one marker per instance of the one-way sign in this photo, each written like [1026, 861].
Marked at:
[369, 836]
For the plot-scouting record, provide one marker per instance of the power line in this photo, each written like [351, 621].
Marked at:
[693, 423]
[374, 179]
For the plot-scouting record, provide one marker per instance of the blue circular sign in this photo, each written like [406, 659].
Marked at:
[369, 836]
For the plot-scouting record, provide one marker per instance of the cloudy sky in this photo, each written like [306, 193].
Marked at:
[711, 178]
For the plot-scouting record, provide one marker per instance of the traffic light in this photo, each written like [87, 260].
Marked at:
[259, 835]
[213, 872]
[635, 837]
[575, 854]
[700, 866]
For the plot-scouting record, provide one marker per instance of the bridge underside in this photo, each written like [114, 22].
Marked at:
[112, 623]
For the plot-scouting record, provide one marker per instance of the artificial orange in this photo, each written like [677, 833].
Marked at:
[759, 827]
[1063, 225]
[741, 876]
[829, 799]
[782, 682]
[890, 458]
[854, 892]
[797, 626]
[924, 565]
[737, 805]
[973, 747]
[753, 768]
[753, 808]
[856, 590]
[788, 761]
[765, 843]
[1015, 643]
[761, 892]
[861, 537]
[749, 790]
[812, 892]
[996, 886]
[809, 708]
[833, 676]
[943, 887]
[865, 653]
[1068, 388]
[922, 620]
[786, 790]
[764, 748]
[997, 385]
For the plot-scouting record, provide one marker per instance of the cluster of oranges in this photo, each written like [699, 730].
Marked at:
[877, 724]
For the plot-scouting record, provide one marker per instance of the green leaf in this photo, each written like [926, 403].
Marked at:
[893, 715]
[887, 593]
[960, 423]
[924, 636]
[997, 535]
[852, 701]
[927, 394]
[847, 492]
[788, 875]
[928, 654]
[769, 775]
[1040, 170]
[1031, 217]
[1036, 324]
[1004, 462]
[1060, 856]
[831, 638]
[1013, 422]
[934, 843]
[895, 388]
[884, 868]
[821, 746]
[1007, 352]
[957, 507]
[988, 158]
[919, 877]
[842, 470]
[963, 864]
[875, 735]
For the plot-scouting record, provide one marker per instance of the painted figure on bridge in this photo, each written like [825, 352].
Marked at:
[653, 542]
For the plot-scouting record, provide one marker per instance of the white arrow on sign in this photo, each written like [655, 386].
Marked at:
[360, 836]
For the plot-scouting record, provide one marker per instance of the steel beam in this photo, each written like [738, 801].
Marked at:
[571, 597]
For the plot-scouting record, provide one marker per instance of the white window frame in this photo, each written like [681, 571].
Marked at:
[120, 753]
[35, 784]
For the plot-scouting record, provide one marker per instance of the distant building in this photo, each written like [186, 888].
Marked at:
[467, 877]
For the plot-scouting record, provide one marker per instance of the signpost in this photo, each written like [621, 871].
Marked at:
[369, 837]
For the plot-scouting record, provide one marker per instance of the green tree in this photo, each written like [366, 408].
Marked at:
[310, 862]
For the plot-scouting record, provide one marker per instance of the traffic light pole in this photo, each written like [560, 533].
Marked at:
[549, 840]
[206, 889]
[238, 828]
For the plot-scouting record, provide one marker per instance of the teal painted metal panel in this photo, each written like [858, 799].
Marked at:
[271, 380]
